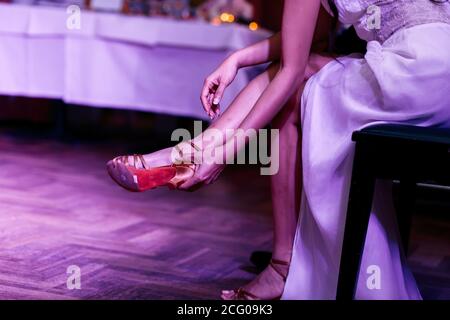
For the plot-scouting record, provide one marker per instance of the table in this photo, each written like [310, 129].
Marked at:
[116, 61]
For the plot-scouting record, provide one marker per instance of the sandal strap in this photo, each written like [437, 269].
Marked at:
[180, 152]
[143, 162]
[139, 161]
[242, 294]
[124, 160]
[274, 263]
[195, 146]
[279, 262]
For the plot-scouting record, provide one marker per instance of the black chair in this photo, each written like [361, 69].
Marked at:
[407, 154]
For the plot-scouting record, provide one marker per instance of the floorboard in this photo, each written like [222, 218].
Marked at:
[58, 208]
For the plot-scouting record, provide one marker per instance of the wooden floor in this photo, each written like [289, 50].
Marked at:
[59, 208]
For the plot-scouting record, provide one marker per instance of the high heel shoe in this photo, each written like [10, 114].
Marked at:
[242, 294]
[138, 176]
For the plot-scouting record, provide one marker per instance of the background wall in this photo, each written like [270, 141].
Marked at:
[269, 13]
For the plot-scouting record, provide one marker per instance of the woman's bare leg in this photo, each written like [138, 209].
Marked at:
[237, 111]
[285, 187]
[269, 284]
[230, 119]
[287, 183]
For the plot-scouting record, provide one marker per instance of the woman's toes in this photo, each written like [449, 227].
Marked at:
[226, 292]
[117, 160]
[227, 295]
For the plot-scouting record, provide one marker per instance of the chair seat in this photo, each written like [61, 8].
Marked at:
[405, 132]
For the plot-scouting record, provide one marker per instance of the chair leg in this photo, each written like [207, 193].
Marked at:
[407, 197]
[357, 220]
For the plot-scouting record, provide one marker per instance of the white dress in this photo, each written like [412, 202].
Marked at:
[403, 78]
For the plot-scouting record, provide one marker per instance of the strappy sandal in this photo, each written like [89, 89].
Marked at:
[138, 176]
[242, 294]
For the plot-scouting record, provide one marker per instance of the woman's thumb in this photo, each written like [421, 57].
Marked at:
[219, 93]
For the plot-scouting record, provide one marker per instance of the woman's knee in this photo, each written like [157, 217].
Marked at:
[273, 68]
[315, 63]
[289, 116]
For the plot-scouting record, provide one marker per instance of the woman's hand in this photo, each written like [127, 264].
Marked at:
[215, 85]
[204, 175]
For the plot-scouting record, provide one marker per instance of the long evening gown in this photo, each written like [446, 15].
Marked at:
[403, 78]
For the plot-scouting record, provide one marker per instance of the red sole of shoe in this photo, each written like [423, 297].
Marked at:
[139, 180]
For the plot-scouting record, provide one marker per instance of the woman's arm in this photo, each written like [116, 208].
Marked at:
[269, 50]
[264, 51]
[216, 83]
[299, 22]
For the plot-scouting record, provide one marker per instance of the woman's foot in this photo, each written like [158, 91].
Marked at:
[182, 153]
[268, 285]
[155, 159]
[168, 167]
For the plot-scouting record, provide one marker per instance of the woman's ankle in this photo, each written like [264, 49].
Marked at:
[282, 255]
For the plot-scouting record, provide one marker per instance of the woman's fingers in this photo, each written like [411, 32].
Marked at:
[205, 96]
[190, 184]
[210, 100]
[219, 93]
[203, 176]
[208, 93]
[217, 97]
[215, 108]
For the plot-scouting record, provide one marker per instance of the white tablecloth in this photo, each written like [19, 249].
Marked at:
[115, 61]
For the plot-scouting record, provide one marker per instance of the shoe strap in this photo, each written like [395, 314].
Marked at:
[137, 159]
[242, 294]
[275, 263]
[195, 146]
[122, 159]
[180, 152]
[143, 162]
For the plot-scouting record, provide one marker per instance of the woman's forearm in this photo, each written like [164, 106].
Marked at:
[276, 95]
[299, 18]
[233, 116]
[264, 51]
[261, 52]
[269, 49]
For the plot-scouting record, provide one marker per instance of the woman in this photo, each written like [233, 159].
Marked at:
[407, 57]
